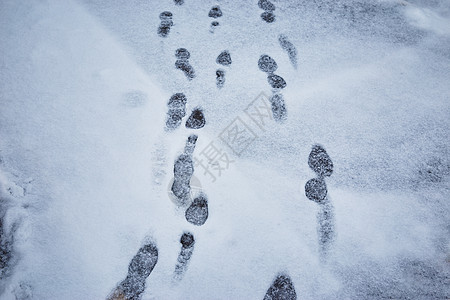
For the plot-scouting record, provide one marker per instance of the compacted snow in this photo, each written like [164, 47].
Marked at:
[224, 150]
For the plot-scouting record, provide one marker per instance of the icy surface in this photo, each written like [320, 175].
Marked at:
[87, 162]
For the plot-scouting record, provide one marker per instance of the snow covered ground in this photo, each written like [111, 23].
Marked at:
[86, 165]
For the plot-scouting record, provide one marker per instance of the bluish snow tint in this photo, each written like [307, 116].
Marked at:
[86, 164]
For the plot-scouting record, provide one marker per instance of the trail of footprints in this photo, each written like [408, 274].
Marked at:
[187, 242]
[223, 59]
[196, 210]
[268, 8]
[215, 12]
[316, 190]
[268, 65]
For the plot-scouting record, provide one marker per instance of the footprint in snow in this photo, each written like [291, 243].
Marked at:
[220, 78]
[214, 25]
[276, 82]
[176, 111]
[289, 48]
[6, 250]
[316, 190]
[140, 267]
[182, 62]
[197, 212]
[166, 23]
[215, 12]
[320, 162]
[187, 247]
[266, 5]
[268, 16]
[268, 8]
[281, 289]
[267, 64]
[278, 107]
[183, 171]
[223, 59]
[196, 120]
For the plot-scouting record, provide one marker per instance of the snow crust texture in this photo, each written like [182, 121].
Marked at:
[224, 150]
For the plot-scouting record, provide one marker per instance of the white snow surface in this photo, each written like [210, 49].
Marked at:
[86, 163]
